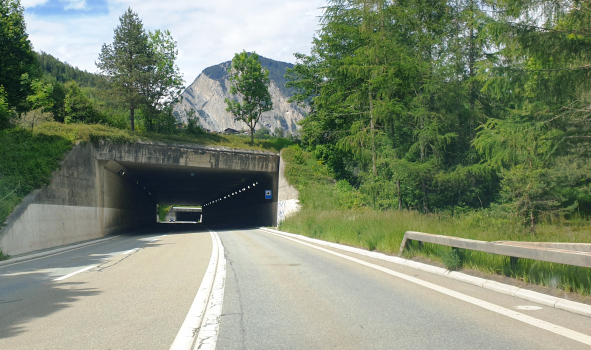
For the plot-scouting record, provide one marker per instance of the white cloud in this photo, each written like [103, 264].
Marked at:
[74, 4]
[207, 32]
[32, 3]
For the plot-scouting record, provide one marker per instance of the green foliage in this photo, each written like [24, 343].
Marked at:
[5, 112]
[26, 163]
[127, 62]
[193, 126]
[447, 106]
[62, 72]
[163, 211]
[165, 84]
[17, 63]
[78, 108]
[250, 84]
[4, 256]
[141, 67]
[262, 133]
[453, 259]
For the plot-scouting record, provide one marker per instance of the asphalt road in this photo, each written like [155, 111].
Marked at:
[131, 299]
[280, 294]
[134, 292]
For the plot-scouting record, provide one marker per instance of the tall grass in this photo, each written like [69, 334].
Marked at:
[334, 212]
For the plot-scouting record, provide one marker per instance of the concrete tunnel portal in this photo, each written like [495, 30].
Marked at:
[105, 188]
[232, 186]
[225, 195]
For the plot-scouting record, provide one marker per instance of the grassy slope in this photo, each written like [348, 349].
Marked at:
[334, 211]
[27, 159]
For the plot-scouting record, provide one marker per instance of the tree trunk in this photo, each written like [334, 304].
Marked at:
[533, 222]
[252, 136]
[399, 195]
[373, 145]
[424, 197]
[132, 118]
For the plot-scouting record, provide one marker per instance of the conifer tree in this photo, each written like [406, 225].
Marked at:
[128, 61]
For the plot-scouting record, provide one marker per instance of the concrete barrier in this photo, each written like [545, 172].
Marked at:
[576, 254]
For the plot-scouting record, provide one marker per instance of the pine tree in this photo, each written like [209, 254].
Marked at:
[128, 61]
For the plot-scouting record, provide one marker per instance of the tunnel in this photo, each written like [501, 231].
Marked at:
[231, 186]
[105, 188]
[225, 195]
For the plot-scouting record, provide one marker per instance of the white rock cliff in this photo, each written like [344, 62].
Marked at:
[206, 97]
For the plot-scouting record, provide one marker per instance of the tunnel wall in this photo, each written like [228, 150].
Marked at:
[288, 202]
[83, 201]
[249, 207]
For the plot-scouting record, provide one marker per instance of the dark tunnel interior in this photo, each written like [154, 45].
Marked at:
[226, 196]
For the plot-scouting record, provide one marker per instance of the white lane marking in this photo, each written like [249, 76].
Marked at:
[528, 307]
[59, 251]
[188, 332]
[130, 251]
[210, 326]
[154, 240]
[565, 332]
[75, 273]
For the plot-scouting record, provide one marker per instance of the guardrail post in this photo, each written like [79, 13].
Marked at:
[420, 245]
[513, 261]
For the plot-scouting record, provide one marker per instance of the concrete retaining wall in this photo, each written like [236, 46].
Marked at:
[85, 200]
[288, 196]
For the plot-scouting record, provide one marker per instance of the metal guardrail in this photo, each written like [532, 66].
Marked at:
[576, 254]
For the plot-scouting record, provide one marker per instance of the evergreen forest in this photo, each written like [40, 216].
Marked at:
[453, 105]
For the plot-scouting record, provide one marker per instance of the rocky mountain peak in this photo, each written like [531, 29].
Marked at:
[207, 93]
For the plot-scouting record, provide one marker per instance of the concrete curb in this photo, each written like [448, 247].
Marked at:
[525, 294]
[54, 251]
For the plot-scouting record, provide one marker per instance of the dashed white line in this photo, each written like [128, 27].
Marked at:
[130, 251]
[75, 273]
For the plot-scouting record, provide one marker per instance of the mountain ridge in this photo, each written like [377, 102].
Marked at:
[207, 94]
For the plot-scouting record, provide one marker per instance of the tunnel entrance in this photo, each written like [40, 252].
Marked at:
[231, 186]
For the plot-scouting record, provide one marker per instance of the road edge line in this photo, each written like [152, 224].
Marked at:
[188, 332]
[532, 321]
[56, 251]
[210, 326]
[525, 294]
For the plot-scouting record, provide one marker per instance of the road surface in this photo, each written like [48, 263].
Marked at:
[278, 294]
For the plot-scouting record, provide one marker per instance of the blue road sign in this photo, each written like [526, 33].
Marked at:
[268, 194]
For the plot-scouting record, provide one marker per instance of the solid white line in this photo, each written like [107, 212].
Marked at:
[188, 331]
[75, 273]
[210, 326]
[565, 332]
[54, 252]
[129, 251]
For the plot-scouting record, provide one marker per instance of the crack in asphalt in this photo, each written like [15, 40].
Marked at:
[100, 267]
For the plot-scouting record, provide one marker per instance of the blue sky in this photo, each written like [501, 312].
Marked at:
[207, 32]
[73, 8]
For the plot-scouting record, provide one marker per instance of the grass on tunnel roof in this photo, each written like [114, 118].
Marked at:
[85, 133]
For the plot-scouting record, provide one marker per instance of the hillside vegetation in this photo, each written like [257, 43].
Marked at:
[335, 211]
[449, 106]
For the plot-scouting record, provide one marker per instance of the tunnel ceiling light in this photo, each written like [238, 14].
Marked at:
[248, 186]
